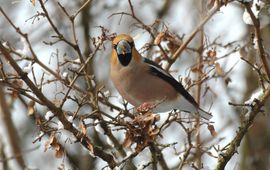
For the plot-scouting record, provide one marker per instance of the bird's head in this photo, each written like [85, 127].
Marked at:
[123, 50]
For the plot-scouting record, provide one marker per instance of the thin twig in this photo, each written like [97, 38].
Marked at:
[187, 152]
[82, 7]
[256, 23]
[192, 35]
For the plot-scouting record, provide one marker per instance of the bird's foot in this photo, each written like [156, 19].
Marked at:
[146, 107]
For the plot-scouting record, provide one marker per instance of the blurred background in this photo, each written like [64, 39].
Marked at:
[228, 34]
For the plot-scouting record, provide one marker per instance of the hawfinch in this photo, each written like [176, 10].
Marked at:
[140, 80]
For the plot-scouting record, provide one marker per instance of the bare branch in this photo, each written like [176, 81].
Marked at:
[256, 23]
[232, 147]
[85, 141]
[12, 134]
[192, 34]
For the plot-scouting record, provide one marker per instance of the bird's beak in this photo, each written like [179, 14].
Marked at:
[123, 47]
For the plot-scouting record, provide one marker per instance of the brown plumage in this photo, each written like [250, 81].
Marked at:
[140, 80]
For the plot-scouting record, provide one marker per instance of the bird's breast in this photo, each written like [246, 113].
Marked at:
[139, 86]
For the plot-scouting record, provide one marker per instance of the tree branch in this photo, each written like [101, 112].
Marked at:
[8, 125]
[256, 23]
[85, 141]
[192, 35]
[224, 157]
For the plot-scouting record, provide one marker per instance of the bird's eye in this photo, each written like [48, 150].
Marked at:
[123, 47]
[131, 44]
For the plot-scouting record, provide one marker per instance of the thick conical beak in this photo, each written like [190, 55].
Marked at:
[123, 47]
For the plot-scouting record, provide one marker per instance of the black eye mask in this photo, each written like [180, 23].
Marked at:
[124, 51]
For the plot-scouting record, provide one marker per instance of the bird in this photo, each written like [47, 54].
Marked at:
[140, 80]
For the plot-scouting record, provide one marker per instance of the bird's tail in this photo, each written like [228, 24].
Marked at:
[189, 107]
[204, 114]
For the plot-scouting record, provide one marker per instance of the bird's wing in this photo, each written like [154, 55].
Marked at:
[157, 70]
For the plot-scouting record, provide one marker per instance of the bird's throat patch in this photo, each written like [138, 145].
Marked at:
[124, 59]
